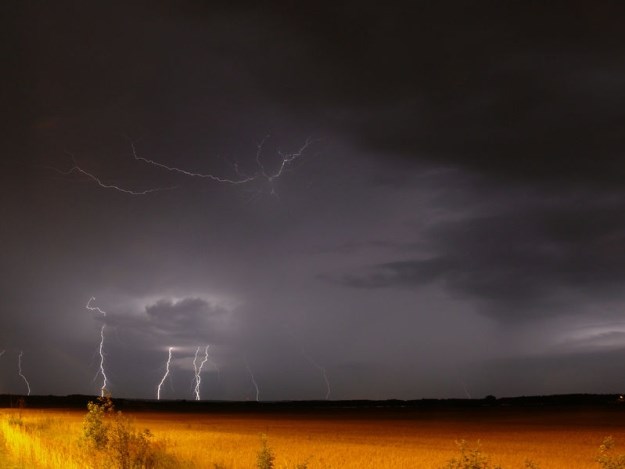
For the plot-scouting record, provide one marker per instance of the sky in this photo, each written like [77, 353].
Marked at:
[342, 200]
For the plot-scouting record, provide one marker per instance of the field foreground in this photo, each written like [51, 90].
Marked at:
[553, 438]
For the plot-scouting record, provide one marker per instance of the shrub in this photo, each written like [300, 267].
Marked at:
[474, 459]
[96, 424]
[112, 435]
[470, 458]
[607, 460]
[265, 457]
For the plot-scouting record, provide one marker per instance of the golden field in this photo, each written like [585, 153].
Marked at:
[332, 439]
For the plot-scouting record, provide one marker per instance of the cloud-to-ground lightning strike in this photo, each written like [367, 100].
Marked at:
[198, 370]
[19, 370]
[101, 347]
[323, 373]
[249, 370]
[465, 389]
[313, 363]
[158, 389]
[325, 379]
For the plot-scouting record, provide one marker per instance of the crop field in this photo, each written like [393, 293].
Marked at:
[332, 439]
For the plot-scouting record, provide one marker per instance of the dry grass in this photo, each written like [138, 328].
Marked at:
[555, 440]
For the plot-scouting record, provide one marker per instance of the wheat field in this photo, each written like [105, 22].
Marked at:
[553, 439]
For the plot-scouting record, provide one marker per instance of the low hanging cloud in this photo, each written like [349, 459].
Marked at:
[180, 317]
[515, 263]
[186, 320]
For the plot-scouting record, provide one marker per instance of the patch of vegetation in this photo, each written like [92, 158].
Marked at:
[265, 456]
[113, 438]
[473, 458]
[606, 459]
[470, 458]
[17, 420]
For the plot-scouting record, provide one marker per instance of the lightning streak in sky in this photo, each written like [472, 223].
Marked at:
[249, 370]
[158, 389]
[198, 370]
[313, 363]
[78, 169]
[101, 348]
[2, 352]
[466, 390]
[19, 370]
[323, 373]
[286, 160]
[212, 177]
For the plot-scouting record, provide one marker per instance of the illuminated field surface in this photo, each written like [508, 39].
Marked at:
[554, 438]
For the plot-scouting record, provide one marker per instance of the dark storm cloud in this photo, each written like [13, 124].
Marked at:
[186, 319]
[519, 261]
[516, 89]
[469, 169]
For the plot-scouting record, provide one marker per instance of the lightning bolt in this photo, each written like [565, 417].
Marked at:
[98, 181]
[313, 363]
[19, 370]
[2, 352]
[101, 347]
[249, 370]
[198, 370]
[158, 389]
[173, 169]
[322, 370]
[286, 159]
[466, 390]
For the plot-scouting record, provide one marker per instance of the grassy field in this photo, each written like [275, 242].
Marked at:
[554, 439]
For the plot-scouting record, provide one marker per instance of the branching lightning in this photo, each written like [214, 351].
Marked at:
[101, 347]
[19, 370]
[286, 159]
[198, 370]
[158, 389]
[249, 370]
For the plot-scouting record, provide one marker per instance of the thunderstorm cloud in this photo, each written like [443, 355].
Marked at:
[455, 224]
